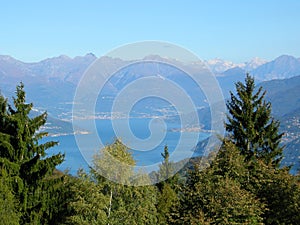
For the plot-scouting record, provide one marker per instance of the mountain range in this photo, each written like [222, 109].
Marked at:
[56, 78]
[51, 84]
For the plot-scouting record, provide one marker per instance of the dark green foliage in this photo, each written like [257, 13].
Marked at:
[9, 214]
[25, 159]
[251, 126]
[56, 194]
[255, 134]
[167, 200]
[86, 204]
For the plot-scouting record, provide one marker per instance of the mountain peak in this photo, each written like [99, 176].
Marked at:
[154, 57]
[286, 59]
[218, 65]
[254, 63]
[6, 57]
[284, 66]
[65, 57]
[92, 55]
[9, 59]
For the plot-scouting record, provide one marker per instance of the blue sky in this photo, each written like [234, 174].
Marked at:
[233, 30]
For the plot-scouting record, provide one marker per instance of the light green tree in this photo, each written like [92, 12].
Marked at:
[215, 195]
[115, 162]
[278, 190]
[126, 203]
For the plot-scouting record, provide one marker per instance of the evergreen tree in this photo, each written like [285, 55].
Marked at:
[167, 196]
[166, 202]
[252, 128]
[166, 169]
[9, 214]
[85, 203]
[24, 158]
[56, 191]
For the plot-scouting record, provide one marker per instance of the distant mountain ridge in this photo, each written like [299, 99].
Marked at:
[277, 67]
[219, 66]
[60, 75]
[51, 84]
[282, 67]
[61, 67]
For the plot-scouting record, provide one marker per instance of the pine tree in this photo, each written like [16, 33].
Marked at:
[252, 128]
[166, 169]
[24, 158]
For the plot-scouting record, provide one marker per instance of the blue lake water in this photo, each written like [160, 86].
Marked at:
[82, 157]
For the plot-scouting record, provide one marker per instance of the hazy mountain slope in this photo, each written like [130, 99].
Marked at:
[280, 68]
[228, 79]
[283, 94]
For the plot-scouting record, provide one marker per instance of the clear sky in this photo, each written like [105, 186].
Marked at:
[234, 30]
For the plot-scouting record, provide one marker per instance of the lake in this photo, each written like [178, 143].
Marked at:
[81, 157]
